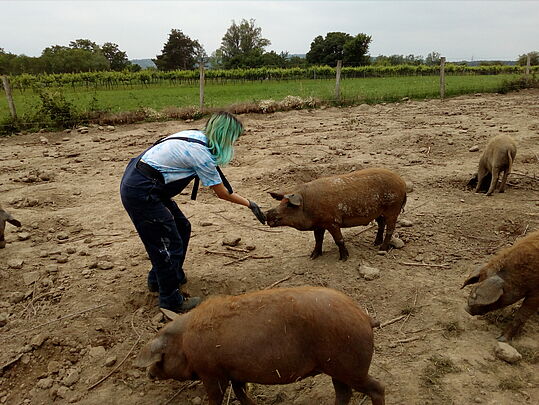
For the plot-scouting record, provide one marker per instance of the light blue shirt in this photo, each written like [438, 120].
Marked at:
[177, 159]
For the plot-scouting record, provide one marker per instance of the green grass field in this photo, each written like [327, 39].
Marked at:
[363, 90]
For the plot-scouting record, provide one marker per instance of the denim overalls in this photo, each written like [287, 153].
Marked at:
[162, 227]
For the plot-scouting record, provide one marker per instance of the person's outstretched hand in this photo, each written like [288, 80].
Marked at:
[257, 211]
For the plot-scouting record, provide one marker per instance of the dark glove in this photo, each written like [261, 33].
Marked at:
[257, 211]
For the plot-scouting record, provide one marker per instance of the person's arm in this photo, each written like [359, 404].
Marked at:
[221, 192]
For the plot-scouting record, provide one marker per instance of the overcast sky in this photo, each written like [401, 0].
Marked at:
[490, 30]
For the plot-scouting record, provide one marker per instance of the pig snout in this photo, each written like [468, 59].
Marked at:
[273, 218]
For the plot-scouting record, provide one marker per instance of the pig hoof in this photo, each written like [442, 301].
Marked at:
[344, 256]
[377, 242]
[315, 254]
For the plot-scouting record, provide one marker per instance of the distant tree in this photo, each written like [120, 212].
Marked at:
[297, 61]
[215, 61]
[117, 59]
[61, 59]
[6, 60]
[243, 45]
[84, 44]
[355, 50]
[534, 59]
[339, 46]
[382, 60]
[433, 59]
[491, 63]
[179, 52]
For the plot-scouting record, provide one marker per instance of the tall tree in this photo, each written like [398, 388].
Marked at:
[179, 52]
[84, 44]
[62, 59]
[117, 59]
[356, 49]
[534, 59]
[433, 58]
[339, 46]
[243, 44]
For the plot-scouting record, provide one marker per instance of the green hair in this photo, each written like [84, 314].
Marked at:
[222, 130]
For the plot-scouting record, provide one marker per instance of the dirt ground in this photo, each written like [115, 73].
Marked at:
[73, 278]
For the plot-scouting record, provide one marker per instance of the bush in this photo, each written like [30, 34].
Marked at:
[55, 110]
[523, 82]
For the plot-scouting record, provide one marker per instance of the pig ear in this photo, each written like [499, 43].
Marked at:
[472, 278]
[489, 291]
[277, 196]
[294, 199]
[151, 353]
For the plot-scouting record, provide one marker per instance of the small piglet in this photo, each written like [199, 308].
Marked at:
[342, 201]
[275, 336]
[5, 217]
[498, 157]
[512, 274]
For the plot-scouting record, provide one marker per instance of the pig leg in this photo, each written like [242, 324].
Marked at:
[372, 388]
[528, 308]
[318, 239]
[343, 392]
[241, 393]
[390, 228]
[504, 180]
[335, 231]
[216, 389]
[481, 174]
[494, 180]
[381, 221]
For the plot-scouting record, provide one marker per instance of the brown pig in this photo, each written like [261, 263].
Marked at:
[5, 217]
[498, 157]
[512, 274]
[342, 201]
[275, 336]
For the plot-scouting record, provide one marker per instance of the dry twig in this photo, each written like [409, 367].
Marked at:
[215, 252]
[386, 323]
[236, 249]
[425, 264]
[278, 282]
[411, 339]
[241, 259]
[10, 362]
[124, 359]
[411, 310]
[247, 226]
[185, 386]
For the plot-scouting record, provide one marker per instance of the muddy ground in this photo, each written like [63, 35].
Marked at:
[73, 293]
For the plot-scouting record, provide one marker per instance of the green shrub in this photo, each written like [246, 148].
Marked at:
[55, 110]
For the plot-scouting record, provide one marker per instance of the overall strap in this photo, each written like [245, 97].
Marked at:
[196, 184]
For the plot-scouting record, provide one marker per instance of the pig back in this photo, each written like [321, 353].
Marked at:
[518, 265]
[497, 152]
[292, 330]
[363, 194]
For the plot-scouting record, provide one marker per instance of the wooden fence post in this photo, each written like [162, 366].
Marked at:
[528, 63]
[338, 81]
[442, 77]
[201, 82]
[9, 96]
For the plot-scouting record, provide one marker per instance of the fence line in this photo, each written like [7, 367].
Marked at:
[11, 104]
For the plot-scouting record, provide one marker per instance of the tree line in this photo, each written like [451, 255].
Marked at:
[242, 47]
